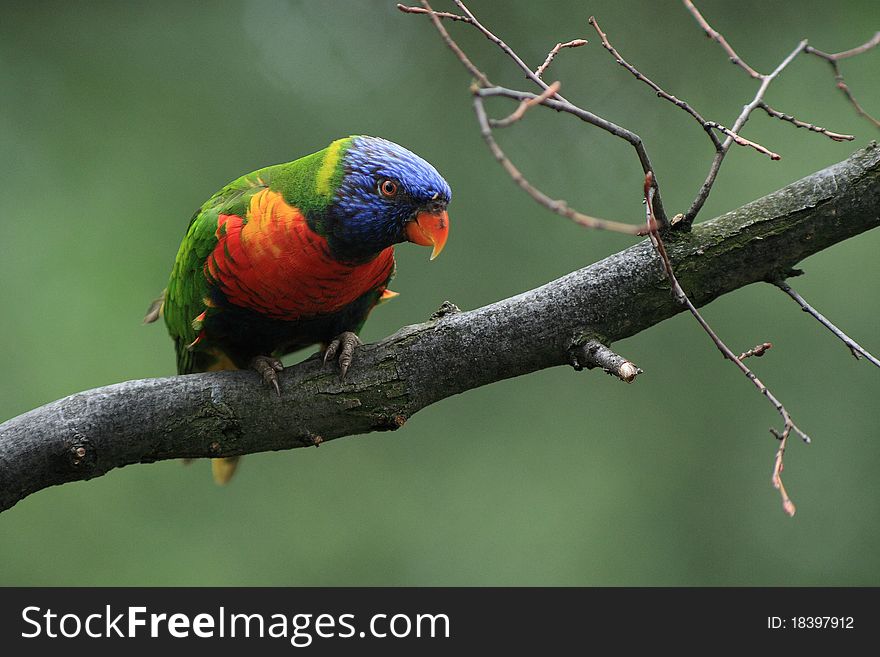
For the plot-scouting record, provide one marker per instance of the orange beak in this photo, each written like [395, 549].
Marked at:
[429, 229]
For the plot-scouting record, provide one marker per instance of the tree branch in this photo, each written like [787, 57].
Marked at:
[228, 413]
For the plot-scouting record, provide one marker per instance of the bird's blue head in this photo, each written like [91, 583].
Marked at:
[387, 195]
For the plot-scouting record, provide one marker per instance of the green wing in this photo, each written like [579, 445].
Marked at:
[307, 183]
[188, 288]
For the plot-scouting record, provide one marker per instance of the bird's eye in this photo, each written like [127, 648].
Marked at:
[387, 188]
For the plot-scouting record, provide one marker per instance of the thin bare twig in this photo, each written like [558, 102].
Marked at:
[873, 42]
[574, 43]
[836, 136]
[439, 14]
[560, 106]
[706, 187]
[708, 126]
[559, 207]
[524, 106]
[568, 108]
[855, 348]
[742, 141]
[788, 424]
[719, 38]
[757, 351]
[639, 76]
[530, 74]
[453, 46]
[778, 467]
[834, 58]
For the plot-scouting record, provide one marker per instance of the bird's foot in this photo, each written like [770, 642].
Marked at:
[344, 345]
[268, 368]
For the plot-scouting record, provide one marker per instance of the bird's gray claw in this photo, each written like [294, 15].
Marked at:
[344, 345]
[331, 350]
[268, 368]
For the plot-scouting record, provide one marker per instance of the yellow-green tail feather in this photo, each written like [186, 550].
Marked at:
[223, 468]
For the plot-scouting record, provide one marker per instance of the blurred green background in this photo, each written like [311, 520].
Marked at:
[118, 119]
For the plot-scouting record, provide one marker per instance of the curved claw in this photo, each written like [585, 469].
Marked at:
[268, 367]
[343, 344]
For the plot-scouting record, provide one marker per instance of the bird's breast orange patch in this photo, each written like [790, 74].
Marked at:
[271, 262]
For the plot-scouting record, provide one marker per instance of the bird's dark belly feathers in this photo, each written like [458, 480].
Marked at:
[242, 333]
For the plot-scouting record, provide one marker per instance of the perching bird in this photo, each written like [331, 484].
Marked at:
[297, 254]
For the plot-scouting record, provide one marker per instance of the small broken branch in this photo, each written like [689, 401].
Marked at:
[855, 348]
[592, 353]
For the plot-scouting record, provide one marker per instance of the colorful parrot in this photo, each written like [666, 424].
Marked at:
[297, 254]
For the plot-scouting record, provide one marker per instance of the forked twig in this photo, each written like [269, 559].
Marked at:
[788, 424]
[758, 101]
[834, 58]
[662, 94]
[707, 185]
[550, 97]
[559, 207]
[507, 50]
[855, 348]
[710, 127]
[482, 80]
[524, 106]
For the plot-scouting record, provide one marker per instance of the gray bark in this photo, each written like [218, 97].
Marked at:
[228, 413]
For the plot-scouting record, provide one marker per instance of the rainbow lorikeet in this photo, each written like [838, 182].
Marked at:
[297, 254]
